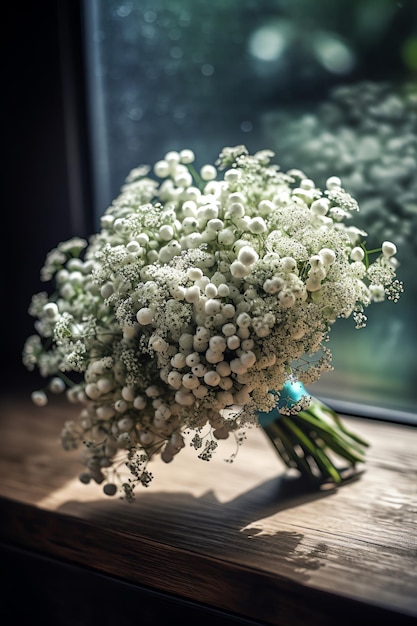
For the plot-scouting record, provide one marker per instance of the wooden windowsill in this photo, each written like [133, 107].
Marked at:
[243, 538]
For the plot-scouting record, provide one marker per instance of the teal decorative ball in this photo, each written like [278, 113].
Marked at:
[290, 394]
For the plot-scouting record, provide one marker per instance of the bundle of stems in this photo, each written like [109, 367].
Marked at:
[313, 440]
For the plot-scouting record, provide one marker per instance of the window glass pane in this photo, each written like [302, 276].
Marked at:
[329, 86]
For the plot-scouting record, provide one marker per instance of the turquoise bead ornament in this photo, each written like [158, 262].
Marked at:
[311, 437]
[291, 393]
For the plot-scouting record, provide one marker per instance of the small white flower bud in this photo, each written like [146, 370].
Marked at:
[192, 294]
[223, 291]
[184, 398]
[125, 424]
[200, 392]
[317, 273]
[316, 261]
[152, 391]
[190, 381]
[239, 270]
[228, 329]
[152, 256]
[248, 358]
[186, 341]
[133, 247]
[243, 379]
[286, 298]
[208, 172]
[357, 254]
[273, 285]
[306, 195]
[172, 157]
[92, 391]
[226, 383]
[247, 344]
[210, 290]
[223, 368]
[243, 223]
[192, 359]
[51, 310]
[207, 212]
[146, 437]
[76, 278]
[288, 264]
[166, 232]
[307, 183]
[202, 333]
[233, 342]
[199, 370]
[145, 316]
[212, 378]
[189, 209]
[191, 193]
[320, 206]
[142, 239]
[257, 226]
[121, 406]
[237, 366]
[333, 182]
[265, 207]
[183, 179]
[213, 356]
[193, 240]
[312, 284]
[389, 249]
[212, 306]
[194, 273]
[187, 156]
[158, 344]
[236, 196]
[128, 394]
[235, 210]
[225, 398]
[232, 175]
[178, 360]
[226, 237]
[263, 331]
[243, 320]
[215, 225]
[202, 282]
[175, 379]
[178, 292]
[56, 385]
[217, 343]
[39, 398]
[105, 385]
[105, 412]
[200, 344]
[328, 256]
[247, 255]
[161, 169]
[242, 397]
[106, 221]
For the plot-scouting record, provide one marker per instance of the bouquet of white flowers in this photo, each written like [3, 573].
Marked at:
[199, 310]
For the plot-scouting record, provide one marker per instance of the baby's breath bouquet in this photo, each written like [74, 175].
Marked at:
[200, 310]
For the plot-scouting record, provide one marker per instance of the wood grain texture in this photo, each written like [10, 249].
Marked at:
[245, 537]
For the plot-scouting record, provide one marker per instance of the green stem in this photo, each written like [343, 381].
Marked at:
[308, 439]
[317, 453]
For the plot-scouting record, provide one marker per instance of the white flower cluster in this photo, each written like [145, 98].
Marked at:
[199, 296]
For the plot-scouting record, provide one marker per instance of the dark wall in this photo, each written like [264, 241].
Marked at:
[38, 210]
